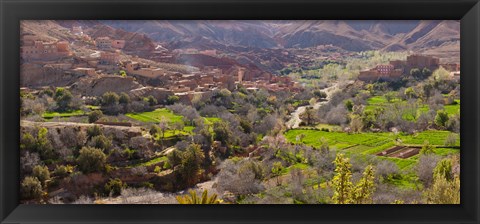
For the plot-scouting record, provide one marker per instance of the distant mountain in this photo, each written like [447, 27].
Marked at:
[240, 33]
[352, 35]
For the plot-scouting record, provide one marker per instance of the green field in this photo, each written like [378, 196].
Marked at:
[155, 116]
[371, 143]
[380, 102]
[151, 162]
[48, 115]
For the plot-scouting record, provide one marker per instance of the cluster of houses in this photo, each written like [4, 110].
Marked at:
[107, 58]
[397, 68]
[34, 49]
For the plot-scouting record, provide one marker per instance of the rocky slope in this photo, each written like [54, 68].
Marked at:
[349, 35]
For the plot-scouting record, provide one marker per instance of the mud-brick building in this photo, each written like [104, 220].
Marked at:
[386, 72]
[422, 61]
[109, 58]
[39, 50]
[103, 43]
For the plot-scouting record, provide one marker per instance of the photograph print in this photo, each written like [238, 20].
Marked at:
[239, 112]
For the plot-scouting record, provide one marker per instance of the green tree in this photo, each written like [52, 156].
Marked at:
[345, 192]
[362, 192]
[62, 171]
[349, 105]
[426, 72]
[308, 115]
[427, 148]
[43, 145]
[91, 160]
[416, 73]
[27, 142]
[390, 96]
[451, 140]
[410, 93]
[151, 100]
[63, 98]
[41, 173]
[441, 118]
[31, 188]
[123, 98]
[277, 170]
[101, 142]
[190, 165]
[192, 198]
[110, 99]
[342, 183]
[172, 99]
[93, 131]
[174, 158]
[94, 116]
[444, 169]
[222, 132]
[114, 187]
[446, 186]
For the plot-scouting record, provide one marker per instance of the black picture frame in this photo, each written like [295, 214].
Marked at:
[12, 11]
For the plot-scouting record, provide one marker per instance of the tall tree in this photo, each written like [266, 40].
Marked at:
[342, 180]
[363, 191]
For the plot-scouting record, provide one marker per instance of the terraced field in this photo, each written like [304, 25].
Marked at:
[156, 116]
[380, 102]
[49, 115]
[364, 144]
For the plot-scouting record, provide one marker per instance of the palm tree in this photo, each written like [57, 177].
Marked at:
[192, 198]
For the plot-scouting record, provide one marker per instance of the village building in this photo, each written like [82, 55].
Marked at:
[77, 30]
[451, 67]
[109, 58]
[39, 50]
[396, 68]
[135, 68]
[118, 44]
[103, 43]
[85, 71]
[381, 72]
[422, 61]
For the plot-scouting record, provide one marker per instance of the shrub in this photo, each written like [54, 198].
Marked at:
[94, 116]
[451, 140]
[441, 118]
[172, 99]
[63, 98]
[151, 100]
[114, 187]
[61, 171]
[110, 99]
[44, 146]
[424, 168]
[41, 173]
[91, 160]
[31, 188]
[94, 131]
[124, 98]
[101, 142]
[27, 142]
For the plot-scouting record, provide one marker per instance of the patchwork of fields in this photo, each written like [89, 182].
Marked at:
[363, 144]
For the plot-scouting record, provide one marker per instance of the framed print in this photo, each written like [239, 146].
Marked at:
[274, 111]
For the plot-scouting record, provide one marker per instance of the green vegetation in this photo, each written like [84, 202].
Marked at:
[155, 116]
[49, 115]
[192, 198]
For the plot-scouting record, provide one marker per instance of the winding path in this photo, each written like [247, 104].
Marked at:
[295, 120]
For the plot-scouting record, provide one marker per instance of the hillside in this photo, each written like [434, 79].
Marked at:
[349, 35]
